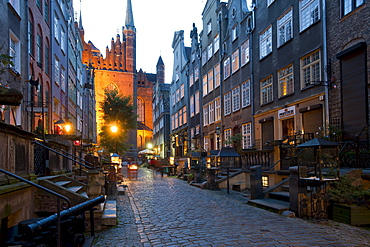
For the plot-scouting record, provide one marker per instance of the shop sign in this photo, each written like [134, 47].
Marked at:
[286, 112]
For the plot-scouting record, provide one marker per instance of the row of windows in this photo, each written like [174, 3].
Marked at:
[212, 112]
[246, 137]
[179, 118]
[158, 126]
[310, 73]
[240, 96]
[179, 94]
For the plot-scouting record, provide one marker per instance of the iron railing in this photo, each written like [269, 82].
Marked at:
[65, 205]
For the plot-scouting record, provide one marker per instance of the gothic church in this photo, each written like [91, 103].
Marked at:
[118, 71]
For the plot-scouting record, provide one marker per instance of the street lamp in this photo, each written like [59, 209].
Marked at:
[114, 129]
[218, 131]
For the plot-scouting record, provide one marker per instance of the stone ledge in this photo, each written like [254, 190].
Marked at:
[109, 217]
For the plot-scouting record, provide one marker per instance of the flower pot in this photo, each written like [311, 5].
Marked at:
[353, 215]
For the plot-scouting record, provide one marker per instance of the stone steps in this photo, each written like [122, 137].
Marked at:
[274, 205]
[109, 217]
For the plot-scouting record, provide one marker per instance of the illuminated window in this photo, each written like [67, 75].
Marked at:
[235, 61]
[286, 83]
[265, 181]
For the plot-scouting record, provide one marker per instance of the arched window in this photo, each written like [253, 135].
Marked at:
[140, 110]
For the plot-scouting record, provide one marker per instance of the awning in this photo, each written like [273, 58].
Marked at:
[228, 152]
[317, 142]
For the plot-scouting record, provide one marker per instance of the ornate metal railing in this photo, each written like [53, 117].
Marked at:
[355, 154]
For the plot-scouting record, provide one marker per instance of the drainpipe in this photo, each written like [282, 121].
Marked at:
[325, 63]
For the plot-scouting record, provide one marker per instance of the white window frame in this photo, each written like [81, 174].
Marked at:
[309, 13]
[267, 90]
[15, 51]
[234, 33]
[244, 57]
[210, 81]
[192, 106]
[236, 99]
[286, 80]
[205, 115]
[173, 122]
[209, 51]
[227, 135]
[247, 135]
[227, 103]
[209, 27]
[204, 57]
[176, 120]
[217, 75]
[350, 5]
[184, 116]
[63, 79]
[265, 39]
[182, 91]
[227, 68]
[56, 28]
[196, 73]
[191, 79]
[235, 61]
[211, 112]
[56, 71]
[197, 102]
[205, 85]
[218, 114]
[178, 94]
[216, 44]
[246, 94]
[285, 28]
[310, 68]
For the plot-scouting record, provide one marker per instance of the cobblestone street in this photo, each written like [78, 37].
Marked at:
[166, 211]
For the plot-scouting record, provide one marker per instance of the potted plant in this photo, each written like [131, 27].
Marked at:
[350, 201]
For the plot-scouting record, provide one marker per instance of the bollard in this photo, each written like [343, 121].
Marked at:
[256, 182]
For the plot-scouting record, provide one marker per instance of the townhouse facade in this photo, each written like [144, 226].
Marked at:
[179, 103]
[13, 43]
[348, 49]
[276, 73]
[161, 113]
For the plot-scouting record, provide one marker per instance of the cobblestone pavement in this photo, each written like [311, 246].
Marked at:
[166, 211]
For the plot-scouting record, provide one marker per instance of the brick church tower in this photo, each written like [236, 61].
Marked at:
[118, 71]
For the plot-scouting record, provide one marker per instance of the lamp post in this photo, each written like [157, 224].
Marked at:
[114, 129]
[218, 131]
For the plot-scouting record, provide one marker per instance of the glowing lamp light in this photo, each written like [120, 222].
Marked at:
[150, 146]
[133, 167]
[114, 128]
[67, 127]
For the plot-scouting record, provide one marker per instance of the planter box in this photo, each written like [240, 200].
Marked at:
[353, 215]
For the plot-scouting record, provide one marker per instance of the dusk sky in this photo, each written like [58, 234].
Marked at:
[155, 22]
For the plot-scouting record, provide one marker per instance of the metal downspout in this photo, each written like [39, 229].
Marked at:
[325, 61]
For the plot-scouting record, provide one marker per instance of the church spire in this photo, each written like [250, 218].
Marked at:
[129, 24]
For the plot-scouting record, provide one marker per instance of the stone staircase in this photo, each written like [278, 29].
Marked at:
[76, 191]
[277, 202]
